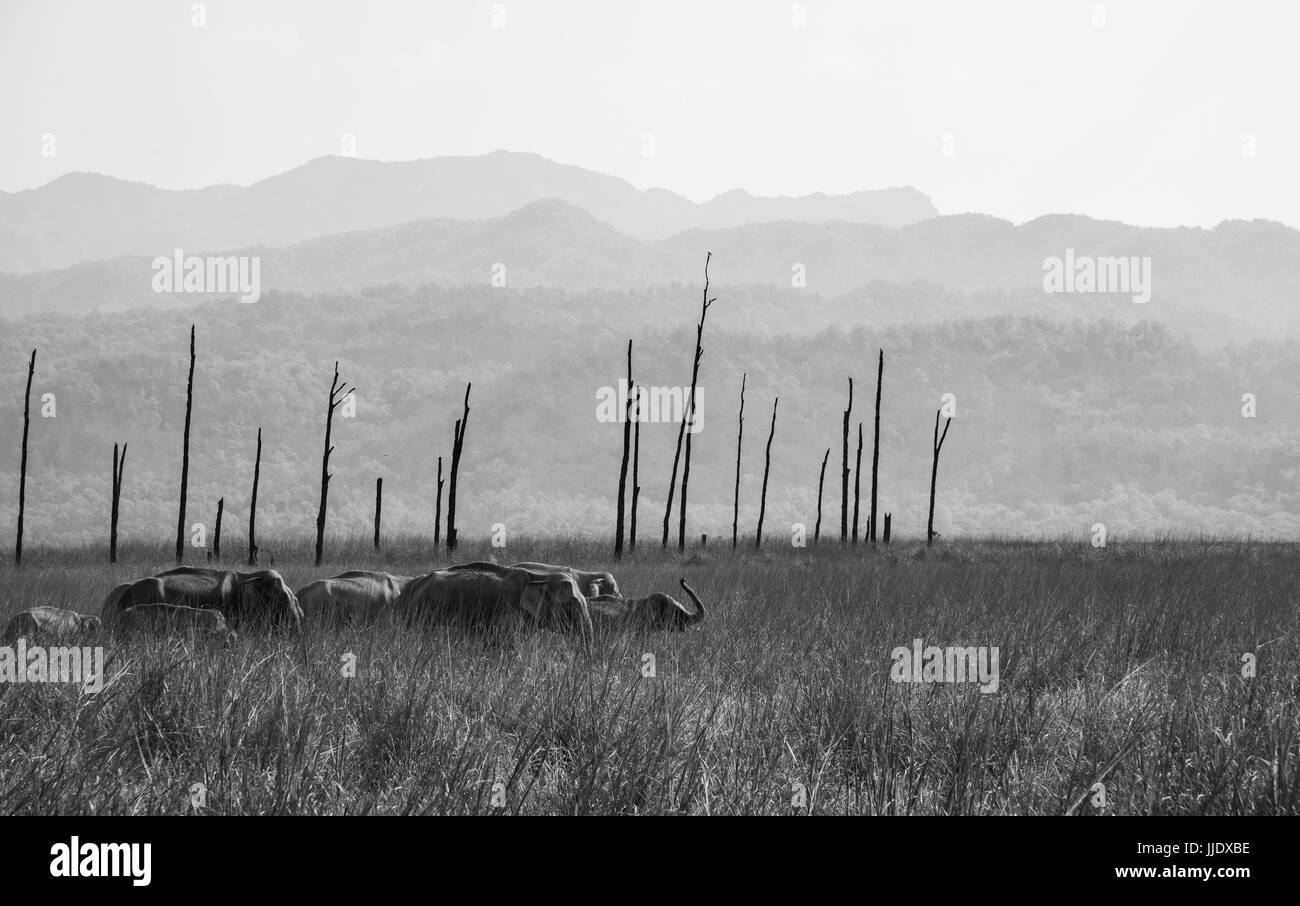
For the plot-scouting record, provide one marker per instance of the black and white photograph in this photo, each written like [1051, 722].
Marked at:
[715, 408]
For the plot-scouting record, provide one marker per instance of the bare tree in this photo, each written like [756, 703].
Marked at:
[622, 470]
[379, 507]
[338, 393]
[216, 533]
[740, 436]
[844, 473]
[695, 374]
[934, 472]
[252, 504]
[636, 463]
[461, 424]
[875, 446]
[119, 465]
[22, 468]
[185, 456]
[767, 465]
[437, 512]
[687, 415]
[672, 483]
[857, 484]
[821, 481]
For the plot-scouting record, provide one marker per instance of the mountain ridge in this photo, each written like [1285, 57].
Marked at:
[1232, 282]
[80, 217]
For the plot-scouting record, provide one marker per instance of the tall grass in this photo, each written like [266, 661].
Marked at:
[1122, 665]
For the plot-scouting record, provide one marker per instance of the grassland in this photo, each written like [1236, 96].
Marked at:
[1123, 664]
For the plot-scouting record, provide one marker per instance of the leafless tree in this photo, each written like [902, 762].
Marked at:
[695, 373]
[216, 532]
[844, 473]
[767, 466]
[338, 393]
[821, 482]
[379, 507]
[252, 504]
[457, 447]
[934, 472]
[636, 464]
[740, 436]
[119, 465]
[687, 417]
[857, 484]
[437, 512]
[22, 468]
[185, 456]
[875, 446]
[622, 470]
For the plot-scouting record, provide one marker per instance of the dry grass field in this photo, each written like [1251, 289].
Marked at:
[1122, 664]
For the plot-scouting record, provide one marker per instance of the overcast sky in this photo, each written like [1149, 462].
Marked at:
[1146, 112]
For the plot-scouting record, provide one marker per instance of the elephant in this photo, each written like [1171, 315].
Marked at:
[50, 623]
[173, 617]
[355, 596]
[489, 597]
[652, 613]
[603, 582]
[243, 598]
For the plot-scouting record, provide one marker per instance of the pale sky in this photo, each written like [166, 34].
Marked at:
[1145, 112]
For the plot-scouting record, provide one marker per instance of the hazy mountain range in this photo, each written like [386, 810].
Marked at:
[85, 216]
[1235, 282]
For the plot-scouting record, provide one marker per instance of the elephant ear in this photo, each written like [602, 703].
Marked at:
[533, 599]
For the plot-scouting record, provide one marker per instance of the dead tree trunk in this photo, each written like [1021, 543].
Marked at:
[857, 484]
[875, 446]
[622, 469]
[185, 456]
[119, 465]
[740, 436]
[934, 473]
[695, 374]
[887, 521]
[672, 483]
[767, 465]
[252, 504]
[437, 512]
[22, 468]
[821, 482]
[379, 507]
[216, 532]
[338, 392]
[636, 463]
[844, 472]
[456, 449]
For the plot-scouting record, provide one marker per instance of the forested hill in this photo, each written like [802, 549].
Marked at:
[1059, 424]
[1235, 283]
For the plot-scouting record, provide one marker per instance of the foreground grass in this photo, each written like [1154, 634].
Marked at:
[1122, 665]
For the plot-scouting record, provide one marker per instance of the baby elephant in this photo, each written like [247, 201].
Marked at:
[654, 613]
[173, 618]
[50, 623]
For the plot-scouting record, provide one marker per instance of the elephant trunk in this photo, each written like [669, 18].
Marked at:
[700, 612]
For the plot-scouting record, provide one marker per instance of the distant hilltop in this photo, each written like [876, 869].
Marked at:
[84, 217]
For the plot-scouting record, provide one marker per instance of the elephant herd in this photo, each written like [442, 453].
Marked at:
[479, 597]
